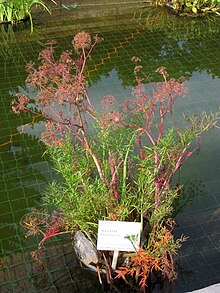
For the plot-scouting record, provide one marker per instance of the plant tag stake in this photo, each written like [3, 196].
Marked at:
[118, 236]
[115, 259]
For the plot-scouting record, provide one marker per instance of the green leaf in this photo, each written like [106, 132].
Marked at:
[194, 10]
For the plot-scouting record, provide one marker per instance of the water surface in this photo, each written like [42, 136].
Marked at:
[188, 48]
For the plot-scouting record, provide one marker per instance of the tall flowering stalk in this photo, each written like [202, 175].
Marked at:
[62, 95]
[124, 170]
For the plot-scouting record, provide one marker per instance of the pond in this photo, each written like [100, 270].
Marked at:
[188, 48]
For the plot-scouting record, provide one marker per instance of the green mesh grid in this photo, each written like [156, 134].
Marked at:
[185, 50]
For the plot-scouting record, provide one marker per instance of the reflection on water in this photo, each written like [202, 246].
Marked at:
[188, 48]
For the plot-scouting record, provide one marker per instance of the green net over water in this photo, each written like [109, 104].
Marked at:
[190, 49]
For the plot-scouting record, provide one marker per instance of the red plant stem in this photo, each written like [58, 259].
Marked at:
[140, 129]
[89, 149]
[84, 62]
[162, 114]
[156, 159]
[81, 78]
[169, 174]
[52, 235]
[113, 183]
[139, 142]
[178, 164]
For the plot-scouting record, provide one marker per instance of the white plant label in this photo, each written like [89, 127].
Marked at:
[118, 235]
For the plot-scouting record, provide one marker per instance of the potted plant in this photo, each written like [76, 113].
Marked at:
[192, 8]
[14, 11]
[120, 169]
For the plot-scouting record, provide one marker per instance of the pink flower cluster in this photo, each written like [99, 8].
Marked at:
[108, 102]
[20, 105]
[82, 40]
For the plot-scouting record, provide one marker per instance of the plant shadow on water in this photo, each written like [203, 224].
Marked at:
[173, 49]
